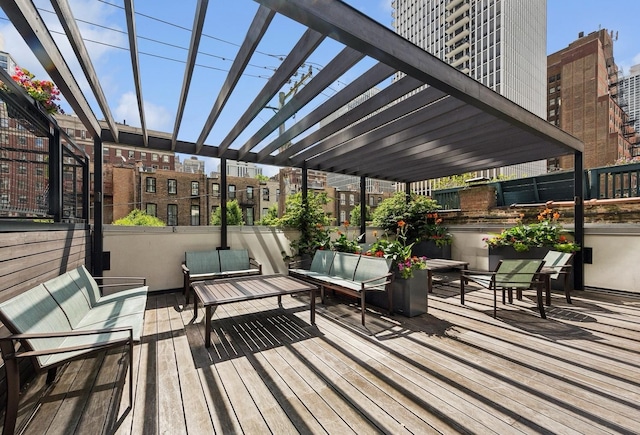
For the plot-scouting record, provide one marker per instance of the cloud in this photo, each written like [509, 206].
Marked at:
[386, 5]
[157, 117]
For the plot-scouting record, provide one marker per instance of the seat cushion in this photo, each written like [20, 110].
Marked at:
[234, 259]
[202, 261]
[68, 295]
[135, 320]
[79, 341]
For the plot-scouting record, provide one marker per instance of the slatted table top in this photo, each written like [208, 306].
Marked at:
[439, 264]
[224, 291]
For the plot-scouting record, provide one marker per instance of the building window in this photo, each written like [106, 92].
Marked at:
[343, 216]
[371, 201]
[4, 199]
[150, 184]
[343, 201]
[277, 194]
[195, 215]
[132, 154]
[250, 216]
[250, 192]
[4, 138]
[165, 159]
[4, 122]
[4, 168]
[143, 156]
[83, 134]
[105, 152]
[232, 191]
[118, 152]
[40, 171]
[172, 187]
[22, 199]
[265, 212]
[154, 157]
[351, 199]
[195, 188]
[22, 169]
[152, 209]
[22, 140]
[265, 194]
[172, 214]
[39, 142]
[215, 190]
[379, 200]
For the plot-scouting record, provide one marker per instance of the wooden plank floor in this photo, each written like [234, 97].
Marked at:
[453, 370]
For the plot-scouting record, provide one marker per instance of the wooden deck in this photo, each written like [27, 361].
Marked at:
[454, 370]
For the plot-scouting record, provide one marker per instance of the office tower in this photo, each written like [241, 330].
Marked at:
[501, 44]
[584, 100]
[629, 89]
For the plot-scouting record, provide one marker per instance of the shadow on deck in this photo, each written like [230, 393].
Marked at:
[455, 369]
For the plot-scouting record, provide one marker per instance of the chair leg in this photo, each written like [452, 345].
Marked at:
[540, 301]
[13, 388]
[390, 300]
[495, 300]
[51, 375]
[567, 287]
[461, 290]
[363, 306]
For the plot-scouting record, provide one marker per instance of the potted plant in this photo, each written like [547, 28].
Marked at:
[42, 91]
[530, 240]
[343, 243]
[409, 286]
[423, 224]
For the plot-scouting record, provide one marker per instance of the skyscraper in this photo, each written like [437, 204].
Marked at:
[501, 44]
[629, 88]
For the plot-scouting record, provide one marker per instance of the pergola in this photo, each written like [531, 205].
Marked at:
[406, 132]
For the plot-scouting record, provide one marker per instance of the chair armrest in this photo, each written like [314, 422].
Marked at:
[385, 277]
[142, 279]
[388, 278]
[254, 262]
[88, 346]
[476, 272]
[298, 264]
[185, 269]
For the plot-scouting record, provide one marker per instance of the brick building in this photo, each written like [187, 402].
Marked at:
[582, 99]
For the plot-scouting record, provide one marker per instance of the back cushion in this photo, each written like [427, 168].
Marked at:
[344, 265]
[69, 296]
[202, 261]
[555, 260]
[35, 311]
[322, 261]
[371, 267]
[88, 286]
[517, 273]
[234, 259]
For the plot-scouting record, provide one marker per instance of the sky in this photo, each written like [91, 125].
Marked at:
[163, 42]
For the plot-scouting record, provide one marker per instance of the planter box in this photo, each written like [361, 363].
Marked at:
[507, 252]
[409, 295]
[429, 249]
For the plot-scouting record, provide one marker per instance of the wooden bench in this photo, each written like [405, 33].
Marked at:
[215, 264]
[351, 274]
[67, 318]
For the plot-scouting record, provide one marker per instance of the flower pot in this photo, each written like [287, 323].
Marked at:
[409, 295]
[429, 249]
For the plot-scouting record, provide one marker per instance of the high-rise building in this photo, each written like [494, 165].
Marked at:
[629, 89]
[501, 44]
[583, 98]
[242, 169]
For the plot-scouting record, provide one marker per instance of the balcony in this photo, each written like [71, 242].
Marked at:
[456, 25]
[457, 12]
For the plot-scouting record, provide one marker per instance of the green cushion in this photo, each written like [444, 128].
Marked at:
[322, 261]
[517, 273]
[234, 259]
[36, 311]
[371, 267]
[202, 261]
[556, 260]
[80, 340]
[88, 286]
[68, 295]
[344, 265]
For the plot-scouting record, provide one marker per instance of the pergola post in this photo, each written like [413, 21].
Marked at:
[98, 212]
[363, 209]
[407, 191]
[55, 175]
[578, 213]
[223, 204]
[86, 185]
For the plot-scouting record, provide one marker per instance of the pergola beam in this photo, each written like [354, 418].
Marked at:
[258, 27]
[300, 52]
[329, 74]
[28, 22]
[65, 16]
[196, 33]
[135, 65]
[359, 86]
[346, 25]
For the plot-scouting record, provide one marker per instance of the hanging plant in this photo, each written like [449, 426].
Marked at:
[43, 91]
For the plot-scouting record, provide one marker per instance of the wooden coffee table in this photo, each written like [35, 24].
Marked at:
[434, 264]
[225, 291]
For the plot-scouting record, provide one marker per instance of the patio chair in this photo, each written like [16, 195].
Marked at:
[558, 264]
[509, 275]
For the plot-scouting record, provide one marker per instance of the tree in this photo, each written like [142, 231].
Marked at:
[234, 214]
[417, 214]
[139, 218]
[271, 219]
[354, 216]
[310, 219]
[262, 178]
